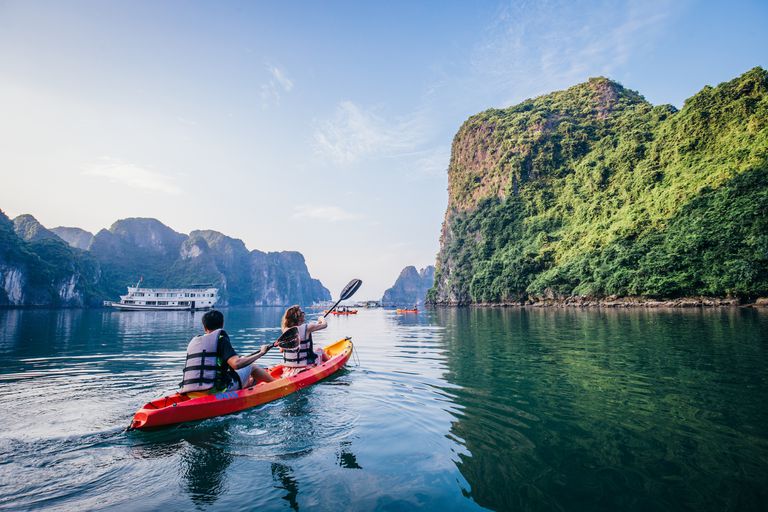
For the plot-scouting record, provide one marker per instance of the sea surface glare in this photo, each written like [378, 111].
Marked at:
[450, 409]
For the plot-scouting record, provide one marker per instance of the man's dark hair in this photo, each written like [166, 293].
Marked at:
[213, 320]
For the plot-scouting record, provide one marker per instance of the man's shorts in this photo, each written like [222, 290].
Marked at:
[243, 373]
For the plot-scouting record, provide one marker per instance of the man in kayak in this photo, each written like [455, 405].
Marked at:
[213, 365]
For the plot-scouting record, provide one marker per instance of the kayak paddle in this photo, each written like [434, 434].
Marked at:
[289, 339]
[346, 293]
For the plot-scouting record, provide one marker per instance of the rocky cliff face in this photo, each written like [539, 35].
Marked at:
[30, 230]
[232, 259]
[136, 247]
[37, 267]
[252, 277]
[75, 237]
[283, 279]
[411, 287]
[594, 192]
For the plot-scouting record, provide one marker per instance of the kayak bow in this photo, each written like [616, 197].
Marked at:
[180, 408]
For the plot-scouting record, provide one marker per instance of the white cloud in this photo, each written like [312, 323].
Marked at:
[281, 79]
[355, 133]
[133, 176]
[433, 162]
[273, 90]
[326, 213]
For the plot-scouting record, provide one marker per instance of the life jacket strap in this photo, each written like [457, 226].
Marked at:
[202, 354]
[201, 367]
[203, 380]
[202, 360]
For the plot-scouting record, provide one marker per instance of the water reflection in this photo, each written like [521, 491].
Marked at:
[345, 457]
[10, 320]
[201, 452]
[204, 465]
[33, 331]
[283, 475]
[566, 408]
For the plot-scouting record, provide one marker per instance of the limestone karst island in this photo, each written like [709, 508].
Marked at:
[592, 194]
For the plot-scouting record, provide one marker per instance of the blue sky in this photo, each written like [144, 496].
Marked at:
[321, 127]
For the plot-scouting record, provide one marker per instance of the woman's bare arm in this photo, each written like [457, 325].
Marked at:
[316, 326]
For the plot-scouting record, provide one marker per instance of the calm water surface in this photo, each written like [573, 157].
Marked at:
[458, 409]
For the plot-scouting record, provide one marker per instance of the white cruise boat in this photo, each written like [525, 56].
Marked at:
[196, 297]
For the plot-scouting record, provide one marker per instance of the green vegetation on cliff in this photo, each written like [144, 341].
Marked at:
[39, 268]
[594, 192]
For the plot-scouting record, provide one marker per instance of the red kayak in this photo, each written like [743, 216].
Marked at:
[179, 408]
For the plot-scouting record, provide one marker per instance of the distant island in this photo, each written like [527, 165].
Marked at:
[70, 267]
[410, 288]
[594, 196]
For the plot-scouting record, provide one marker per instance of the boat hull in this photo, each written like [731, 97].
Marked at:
[141, 307]
[180, 408]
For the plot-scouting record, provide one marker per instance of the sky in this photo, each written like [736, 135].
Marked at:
[319, 127]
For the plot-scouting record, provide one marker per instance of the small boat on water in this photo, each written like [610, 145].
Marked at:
[407, 311]
[341, 311]
[194, 298]
[180, 408]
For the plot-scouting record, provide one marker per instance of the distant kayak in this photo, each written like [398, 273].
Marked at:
[350, 312]
[407, 310]
[180, 408]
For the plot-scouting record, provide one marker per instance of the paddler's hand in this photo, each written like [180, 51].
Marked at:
[265, 348]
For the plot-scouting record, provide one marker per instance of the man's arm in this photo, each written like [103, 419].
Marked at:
[236, 362]
[230, 356]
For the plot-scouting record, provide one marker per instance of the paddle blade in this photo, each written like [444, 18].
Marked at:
[350, 289]
[289, 339]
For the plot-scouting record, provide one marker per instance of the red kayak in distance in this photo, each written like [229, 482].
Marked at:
[180, 408]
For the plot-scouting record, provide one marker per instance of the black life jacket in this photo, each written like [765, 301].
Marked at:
[203, 369]
[304, 354]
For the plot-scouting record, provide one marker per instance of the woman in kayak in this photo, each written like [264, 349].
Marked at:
[213, 365]
[304, 355]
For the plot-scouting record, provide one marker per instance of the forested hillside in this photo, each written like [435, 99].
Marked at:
[594, 192]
